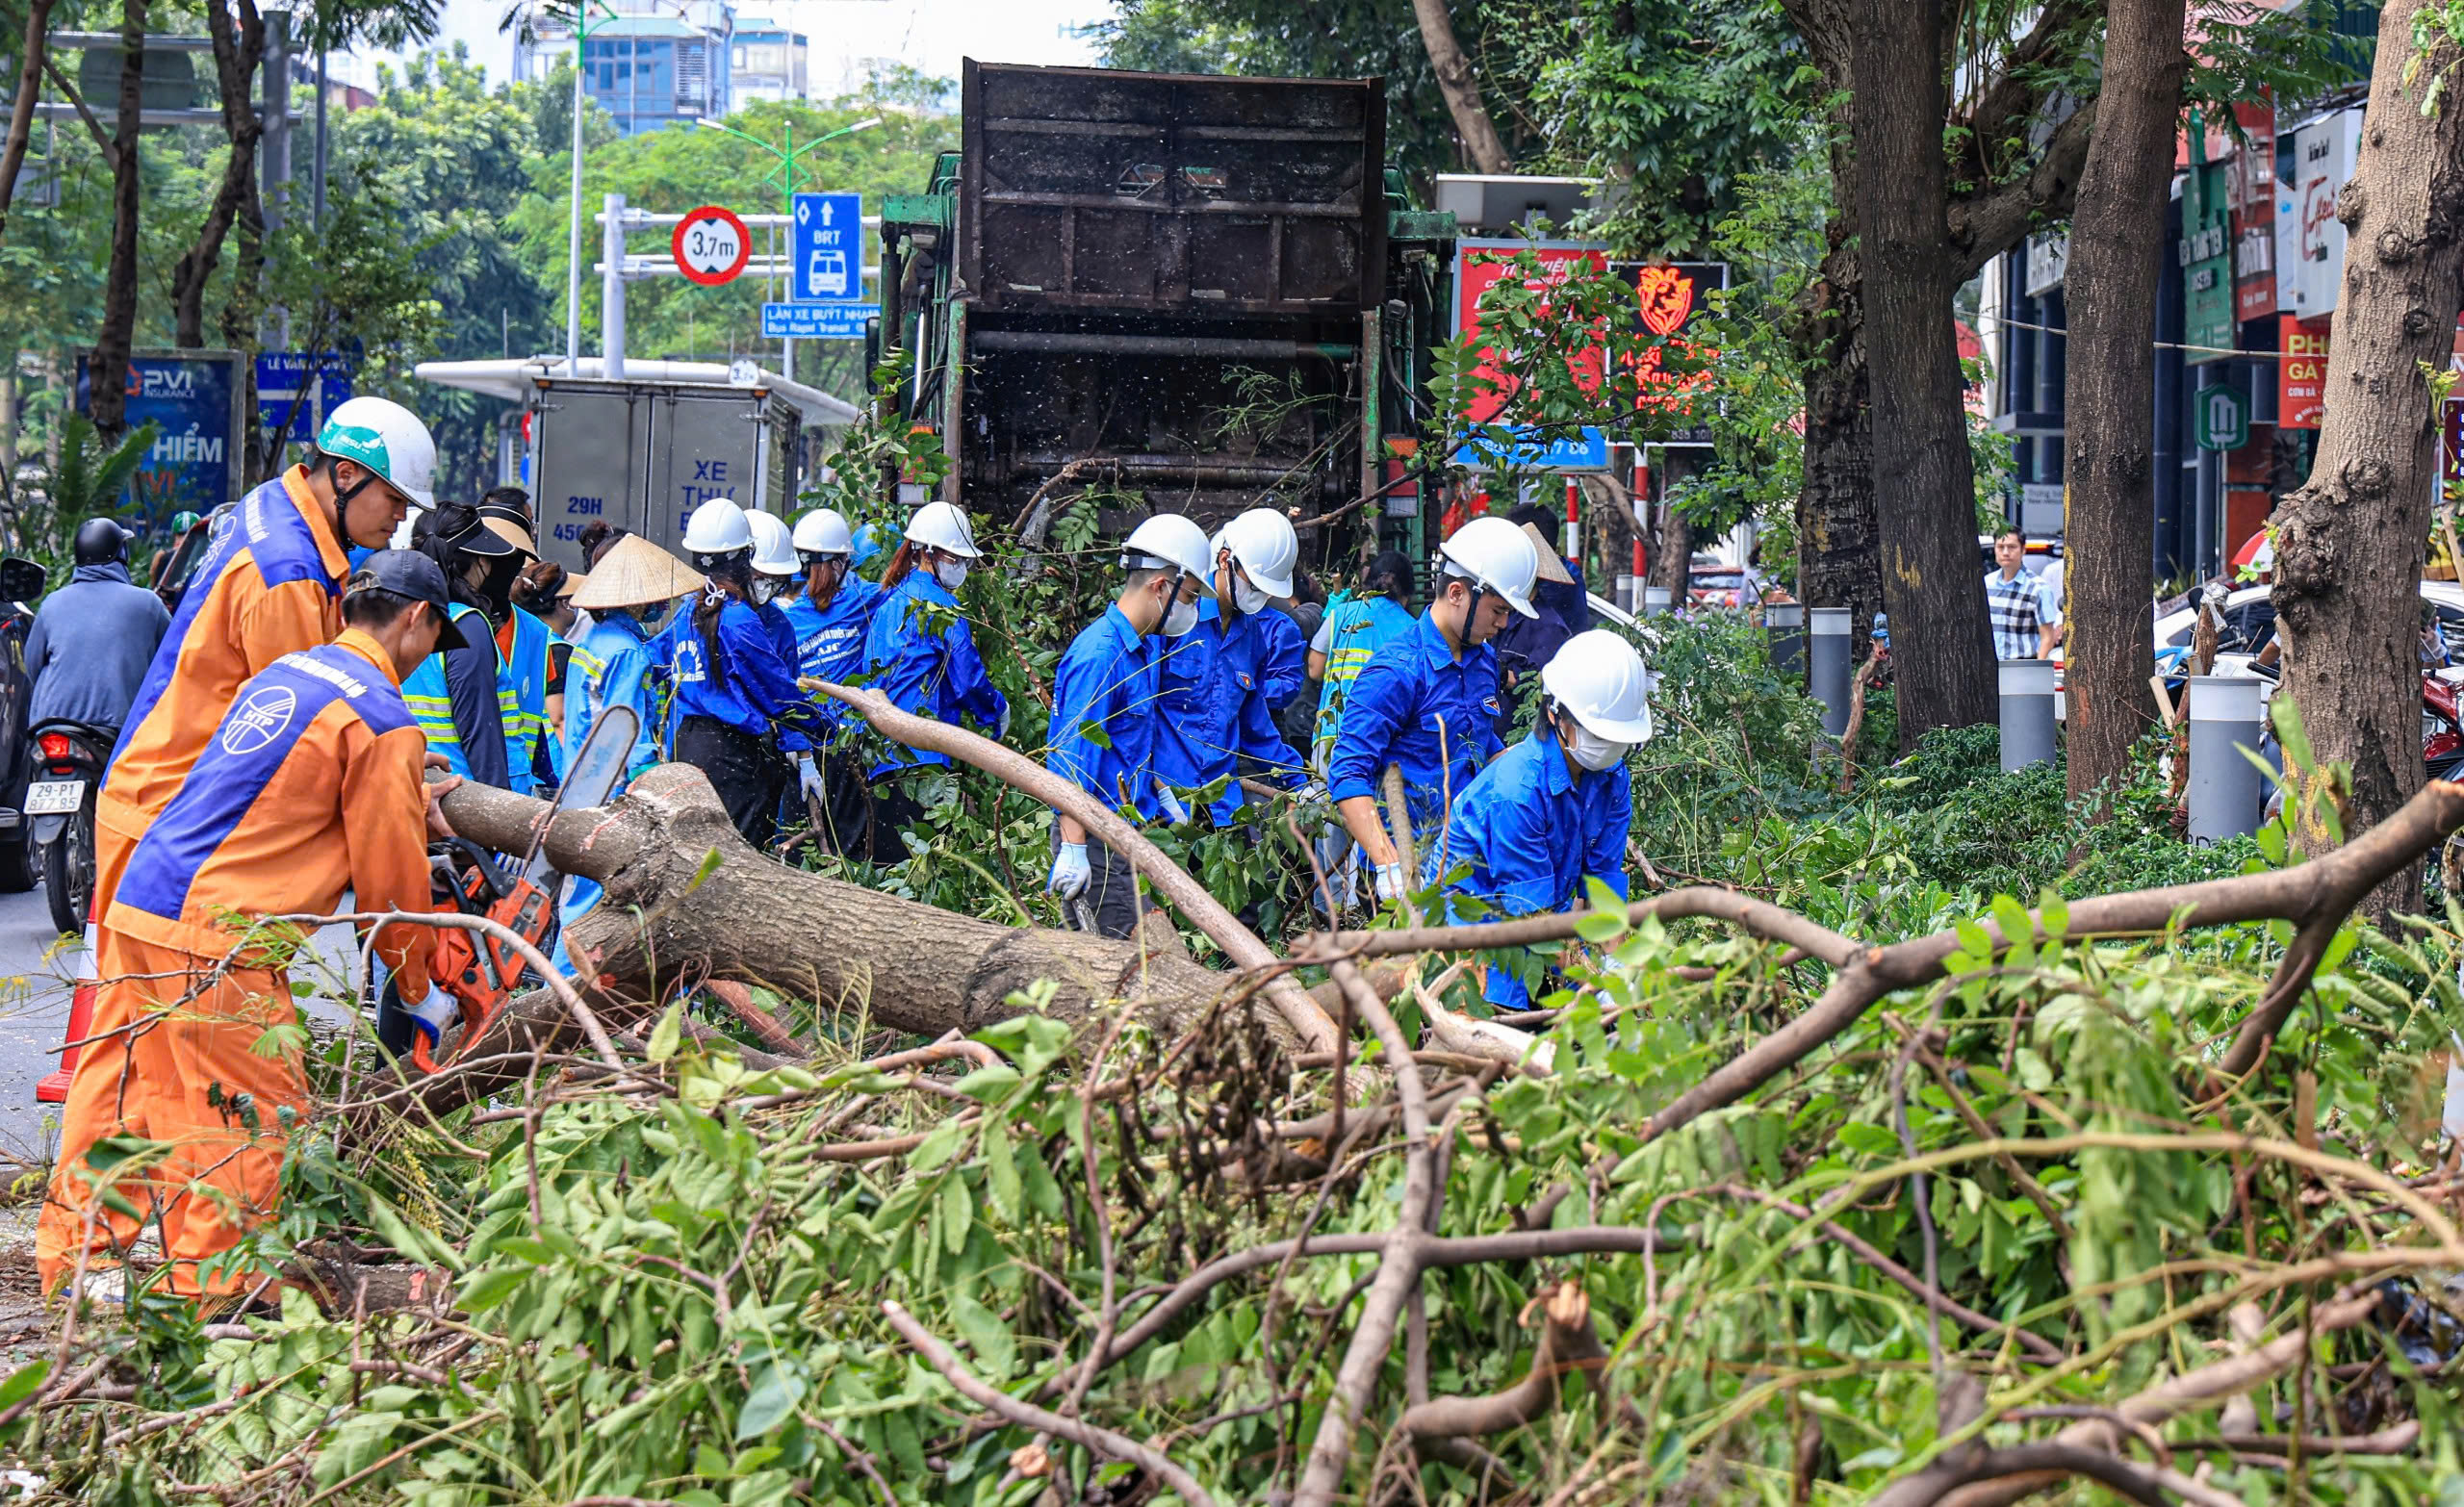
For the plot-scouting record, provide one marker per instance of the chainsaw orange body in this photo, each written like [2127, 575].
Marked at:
[480, 970]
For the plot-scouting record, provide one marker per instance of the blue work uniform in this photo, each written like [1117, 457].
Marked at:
[1410, 700]
[1525, 833]
[1108, 680]
[1284, 668]
[1354, 631]
[922, 657]
[782, 638]
[751, 689]
[829, 641]
[1215, 685]
[610, 667]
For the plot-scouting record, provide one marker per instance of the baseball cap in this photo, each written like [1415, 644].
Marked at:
[407, 572]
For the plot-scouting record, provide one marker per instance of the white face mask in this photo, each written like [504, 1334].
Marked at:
[1247, 597]
[951, 573]
[1594, 753]
[765, 587]
[1182, 618]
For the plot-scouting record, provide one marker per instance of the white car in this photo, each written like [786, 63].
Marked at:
[2250, 620]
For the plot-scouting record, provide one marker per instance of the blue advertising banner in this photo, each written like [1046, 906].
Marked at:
[816, 321]
[1584, 451]
[303, 389]
[195, 464]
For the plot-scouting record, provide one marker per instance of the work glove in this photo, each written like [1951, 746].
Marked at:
[432, 1014]
[1001, 729]
[809, 780]
[1390, 882]
[1070, 874]
[1171, 805]
[1311, 793]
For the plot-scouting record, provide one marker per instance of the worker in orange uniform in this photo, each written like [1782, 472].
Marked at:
[309, 786]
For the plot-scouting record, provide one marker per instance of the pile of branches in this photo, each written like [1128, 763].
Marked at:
[2142, 1192]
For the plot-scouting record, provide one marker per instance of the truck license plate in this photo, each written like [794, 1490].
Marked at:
[55, 797]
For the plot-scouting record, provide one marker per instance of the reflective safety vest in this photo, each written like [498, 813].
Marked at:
[432, 702]
[521, 693]
[583, 668]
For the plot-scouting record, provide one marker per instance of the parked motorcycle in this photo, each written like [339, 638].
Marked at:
[70, 761]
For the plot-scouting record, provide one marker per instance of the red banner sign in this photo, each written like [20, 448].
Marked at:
[2302, 375]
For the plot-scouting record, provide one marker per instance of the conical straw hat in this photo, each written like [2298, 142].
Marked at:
[634, 573]
[1553, 565]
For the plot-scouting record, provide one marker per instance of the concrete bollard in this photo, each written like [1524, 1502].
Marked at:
[1625, 597]
[1830, 667]
[2227, 792]
[2027, 712]
[1655, 599]
[1784, 623]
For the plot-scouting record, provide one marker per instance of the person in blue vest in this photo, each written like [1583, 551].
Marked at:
[921, 655]
[628, 595]
[735, 695]
[1557, 809]
[831, 616]
[1355, 629]
[1107, 709]
[526, 657]
[1220, 683]
[1426, 702]
[454, 693]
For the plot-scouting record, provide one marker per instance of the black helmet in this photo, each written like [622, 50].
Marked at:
[100, 541]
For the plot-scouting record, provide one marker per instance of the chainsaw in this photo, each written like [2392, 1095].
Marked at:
[481, 971]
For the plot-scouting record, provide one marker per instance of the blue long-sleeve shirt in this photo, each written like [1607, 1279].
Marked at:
[829, 641]
[923, 657]
[1217, 684]
[1109, 680]
[89, 647]
[1412, 696]
[782, 638]
[1525, 833]
[613, 669]
[1283, 670]
[750, 688]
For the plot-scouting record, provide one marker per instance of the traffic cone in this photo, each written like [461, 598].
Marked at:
[54, 1089]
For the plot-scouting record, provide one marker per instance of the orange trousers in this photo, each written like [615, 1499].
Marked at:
[178, 1075]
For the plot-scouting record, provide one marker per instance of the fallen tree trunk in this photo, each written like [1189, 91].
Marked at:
[687, 900]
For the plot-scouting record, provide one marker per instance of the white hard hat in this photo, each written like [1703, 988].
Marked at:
[824, 531]
[389, 439]
[717, 527]
[401, 539]
[1266, 549]
[944, 527]
[1170, 542]
[1600, 677]
[774, 552]
[1497, 556]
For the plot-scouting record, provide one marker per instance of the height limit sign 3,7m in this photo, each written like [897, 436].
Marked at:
[712, 245]
[828, 249]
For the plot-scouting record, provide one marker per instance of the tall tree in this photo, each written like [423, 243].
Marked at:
[2349, 544]
[1924, 478]
[117, 337]
[238, 50]
[2110, 397]
[1460, 82]
[21, 110]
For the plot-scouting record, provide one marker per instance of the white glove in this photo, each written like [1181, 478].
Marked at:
[809, 779]
[1174, 812]
[1314, 793]
[1070, 874]
[1001, 729]
[432, 1014]
[1390, 882]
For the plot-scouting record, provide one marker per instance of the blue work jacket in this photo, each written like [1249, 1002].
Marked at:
[829, 641]
[1524, 837]
[612, 668]
[1409, 692]
[751, 688]
[1109, 680]
[1216, 686]
[922, 657]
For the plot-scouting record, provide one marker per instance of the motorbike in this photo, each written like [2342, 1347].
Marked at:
[2443, 723]
[70, 761]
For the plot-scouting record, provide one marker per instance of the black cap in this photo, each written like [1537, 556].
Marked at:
[407, 572]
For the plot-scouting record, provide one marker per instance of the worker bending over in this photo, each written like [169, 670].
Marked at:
[308, 787]
[1556, 809]
[921, 655]
[831, 616]
[1427, 700]
[1221, 682]
[737, 702]
[1105, 708]
[271, 584]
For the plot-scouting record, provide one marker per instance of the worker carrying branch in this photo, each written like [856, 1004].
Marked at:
[309, 786]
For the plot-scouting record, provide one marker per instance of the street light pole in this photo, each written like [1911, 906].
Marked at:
[572, 256]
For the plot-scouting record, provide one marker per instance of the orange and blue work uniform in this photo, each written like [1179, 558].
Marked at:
[309, 786]
[270, 585]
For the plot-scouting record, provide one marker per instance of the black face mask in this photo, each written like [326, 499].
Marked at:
[498, 588]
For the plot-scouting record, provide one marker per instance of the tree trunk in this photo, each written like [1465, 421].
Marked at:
[21, 114]
[2350, 544]
[2116, 251]
[118, 336]
[236, 53]
[1837, 563]
[1461, 87]
[1924, 478]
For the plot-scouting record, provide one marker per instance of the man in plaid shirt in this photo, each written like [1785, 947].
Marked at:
[2026, 622]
